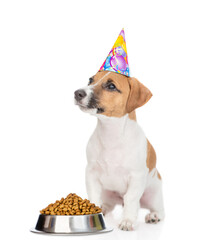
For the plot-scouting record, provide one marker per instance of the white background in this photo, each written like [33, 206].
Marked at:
[48, 49]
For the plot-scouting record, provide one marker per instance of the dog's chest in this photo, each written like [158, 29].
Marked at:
[110, 168]
[112, 175]
[115, 167]
[119, 152]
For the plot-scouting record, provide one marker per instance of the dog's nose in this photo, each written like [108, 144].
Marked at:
[79, 94]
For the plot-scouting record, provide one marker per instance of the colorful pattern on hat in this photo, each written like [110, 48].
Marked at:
[117, 59]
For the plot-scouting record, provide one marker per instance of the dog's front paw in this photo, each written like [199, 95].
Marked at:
[127, 225]
[152, 217]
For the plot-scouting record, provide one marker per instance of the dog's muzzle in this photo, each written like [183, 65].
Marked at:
[87, 101]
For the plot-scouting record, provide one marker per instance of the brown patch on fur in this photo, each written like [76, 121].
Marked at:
[132, 115]
[151, 159]
[113, 102]
[139, 95]
[131, 94]
[151, 156]
[158, 174]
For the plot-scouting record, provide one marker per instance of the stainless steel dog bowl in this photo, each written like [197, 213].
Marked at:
[71, 225]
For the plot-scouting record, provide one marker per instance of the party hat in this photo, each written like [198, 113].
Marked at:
[117, 59]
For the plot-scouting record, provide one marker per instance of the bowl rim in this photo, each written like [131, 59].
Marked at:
[84, 215]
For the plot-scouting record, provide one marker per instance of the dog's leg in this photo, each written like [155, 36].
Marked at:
[132, 197]
[153, 200]
[93, 186]
[109, 201]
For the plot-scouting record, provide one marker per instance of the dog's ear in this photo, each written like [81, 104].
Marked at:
[138, 96]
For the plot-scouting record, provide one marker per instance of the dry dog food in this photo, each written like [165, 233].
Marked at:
[71, 205]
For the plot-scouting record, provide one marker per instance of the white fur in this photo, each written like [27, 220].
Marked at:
[117, 170]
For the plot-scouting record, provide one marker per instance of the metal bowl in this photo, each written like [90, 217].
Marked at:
[71, 225]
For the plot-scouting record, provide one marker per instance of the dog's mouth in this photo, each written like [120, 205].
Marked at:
[81, 106]
[91, 106]
[86, 108]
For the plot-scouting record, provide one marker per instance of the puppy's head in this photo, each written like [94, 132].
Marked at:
[111, 94]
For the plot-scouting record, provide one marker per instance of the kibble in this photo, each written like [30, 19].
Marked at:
[71, 205]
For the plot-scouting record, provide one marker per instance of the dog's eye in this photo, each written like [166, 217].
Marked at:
[91, 80]
[111, 86]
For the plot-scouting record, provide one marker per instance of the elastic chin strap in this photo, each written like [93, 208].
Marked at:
[101, 79]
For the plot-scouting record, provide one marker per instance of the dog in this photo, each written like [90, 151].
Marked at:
[121, 165]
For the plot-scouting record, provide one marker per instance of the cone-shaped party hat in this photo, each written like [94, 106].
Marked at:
[117, 59]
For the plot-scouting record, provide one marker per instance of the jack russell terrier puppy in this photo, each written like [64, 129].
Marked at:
[121, 165]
